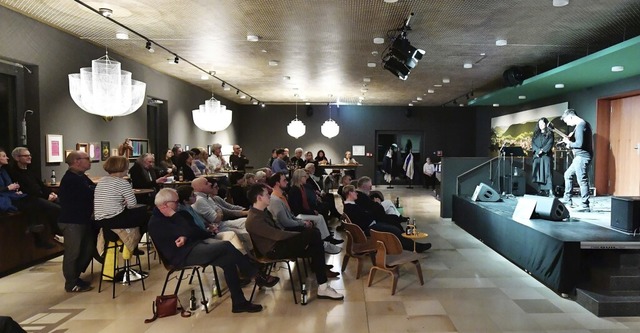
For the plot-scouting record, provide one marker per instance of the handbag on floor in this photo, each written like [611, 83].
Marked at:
[165, 306]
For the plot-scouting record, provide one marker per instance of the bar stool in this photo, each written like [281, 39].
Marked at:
[110, 269]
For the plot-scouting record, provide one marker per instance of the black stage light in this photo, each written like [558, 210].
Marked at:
[397, 67]
[407, 53]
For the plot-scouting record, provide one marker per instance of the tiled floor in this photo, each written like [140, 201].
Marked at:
[468, 288]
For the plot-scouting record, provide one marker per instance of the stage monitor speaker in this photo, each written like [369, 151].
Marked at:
[625, 213]
[485, 192]
[550, 208]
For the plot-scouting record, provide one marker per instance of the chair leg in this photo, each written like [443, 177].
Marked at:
[293, 287]
[394, 280]
[372, 273]
[419, 269]
[299, 273]
[215, 276]
[193, 272]
[175, 292]
[345, 261]
[255, 284]
[359, 268]
[166, 280]
[205, 301]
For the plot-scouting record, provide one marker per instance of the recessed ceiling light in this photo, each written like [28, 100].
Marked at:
[106, 12]
[371, 64]
[445, 80]
[374, 53]
[204, 77]
[366, 79]
[273, 63]
[410, 104]
[560, 3]
[467, 65]
[437, 85]
[414, 101]
[263, 51]
[390, 1]
[617, 68]
[253, 38]
[243, 96]
[522, 97]
[559, 85]
[419, 98]
[255, 102]
[483, 54]
[307, 103]
[378, 40]
[122, 35]
[226, 88]
[171, 61]
[460, 104]
[501, 42]
[358, 103]
[431, 91]
[496, 105]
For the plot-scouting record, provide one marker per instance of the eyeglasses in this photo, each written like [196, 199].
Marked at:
[29, 155]
[83, 158]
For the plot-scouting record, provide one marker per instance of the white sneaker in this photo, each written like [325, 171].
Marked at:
[331, 249]
[325, 291]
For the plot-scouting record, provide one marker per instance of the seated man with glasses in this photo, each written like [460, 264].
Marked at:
[40, 200]
[182, 243]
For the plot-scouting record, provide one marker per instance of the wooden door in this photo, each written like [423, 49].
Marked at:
[624, 157]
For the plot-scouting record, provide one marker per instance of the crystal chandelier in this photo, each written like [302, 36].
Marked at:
[105, 90]
[296, 128]
[212, 116]
[330, 128]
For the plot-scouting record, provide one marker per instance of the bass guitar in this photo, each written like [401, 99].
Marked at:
[569, 136]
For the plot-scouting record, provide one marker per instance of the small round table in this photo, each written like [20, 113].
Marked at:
[415, 236]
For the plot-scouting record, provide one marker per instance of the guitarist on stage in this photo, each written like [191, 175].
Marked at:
[582, 148]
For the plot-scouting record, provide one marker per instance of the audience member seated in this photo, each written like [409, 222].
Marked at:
[272, 158]
[166, 166]
[176, 150]
[366, 221]
[389, 207]
[200, 165]
[183, 164]
[116, 208]
[40, 202]
[374, 208]
[238, 162]
[216, 160]
[348, 159]
[344, 181]
[225, 219]
[302, 197]
[238, 191]
[187, 198]
[279, 208]
[143, 176]
[273, 242]
[297, 161]
[76, 208]
[279, 165]
[261, 177]
[320, 159]
[325, 200]
[181, 243]
[10, 193]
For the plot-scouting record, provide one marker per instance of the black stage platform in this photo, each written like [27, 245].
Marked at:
[550, 251]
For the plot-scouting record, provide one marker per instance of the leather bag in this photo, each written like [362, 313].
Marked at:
[165, 306]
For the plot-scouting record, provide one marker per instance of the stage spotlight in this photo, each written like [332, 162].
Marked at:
[397, 67]
[176, 59]
[407, 53]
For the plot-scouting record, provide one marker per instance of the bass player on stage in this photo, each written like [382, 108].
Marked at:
[582, 149]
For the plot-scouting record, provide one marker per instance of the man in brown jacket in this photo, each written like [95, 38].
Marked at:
[270, 240]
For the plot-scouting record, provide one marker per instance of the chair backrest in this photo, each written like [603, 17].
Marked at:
[163, 260]
[345, 218]
[355, 231]
[391, 242]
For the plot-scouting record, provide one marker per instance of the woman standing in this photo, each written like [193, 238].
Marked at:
[542, 144]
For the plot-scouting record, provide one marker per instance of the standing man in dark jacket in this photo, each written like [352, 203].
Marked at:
[582, 148]
[76, 208]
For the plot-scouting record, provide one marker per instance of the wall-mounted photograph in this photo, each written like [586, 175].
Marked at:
[54, 148]
[105, 148]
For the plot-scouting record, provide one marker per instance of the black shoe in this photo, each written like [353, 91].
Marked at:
[335, 241]
[328, 266]
[79, 289]
[583, 209]
[246, 307]
[267, 281]
[404, 219]
[421, 247]
[138, 252]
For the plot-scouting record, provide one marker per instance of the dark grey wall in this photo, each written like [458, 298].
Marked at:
[451, 130]
[56, 54]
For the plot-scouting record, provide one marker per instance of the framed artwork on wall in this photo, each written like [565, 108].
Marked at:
[54, 148]
[82, 146]
[114, 152]
[105, 148]
[67, 152]
[94, 151]
[140, 147]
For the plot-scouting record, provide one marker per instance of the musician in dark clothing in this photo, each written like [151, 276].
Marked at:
[542, 144]
[582, 148]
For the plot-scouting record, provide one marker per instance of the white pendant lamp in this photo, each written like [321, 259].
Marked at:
[296, 128]
[330, 128]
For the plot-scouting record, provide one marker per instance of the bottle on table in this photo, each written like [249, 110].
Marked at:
[180, 176]
[397, 202]
[53, 177]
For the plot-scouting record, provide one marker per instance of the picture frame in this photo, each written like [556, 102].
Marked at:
[140, 147]
[95, 151]
[67, 152]
[105, 149]
[55, 148]
[82, 146]
[114, 152]
[186, 147]
[357, 150]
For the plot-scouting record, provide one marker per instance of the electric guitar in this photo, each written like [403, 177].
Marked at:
[569, 136]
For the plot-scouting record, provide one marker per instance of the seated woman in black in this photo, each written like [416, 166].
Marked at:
[183, 164]
[365, 221]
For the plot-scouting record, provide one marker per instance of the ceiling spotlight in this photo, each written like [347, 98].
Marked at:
[522, 97]
[617, 68]
[559, 85]
[253, 38]
[410, 104]
[366, 79]
[243, 96]
[255, 102]
[390, 1]
[446, 80]
[273, 63]
[237, 91]
[378, 40]
[437, 85]
[467, 65]
[176, 60]
[419, 98]
[501, 42]
[560, 3]
[371, 64]
[395, 66]
[359, 103]
[226, 88]
[122, 35]
[148, 47]
[106, 12]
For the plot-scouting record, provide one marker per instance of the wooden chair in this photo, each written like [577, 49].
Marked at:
[357, 246]
[390, 256]
[270, 263]
[195, 268]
